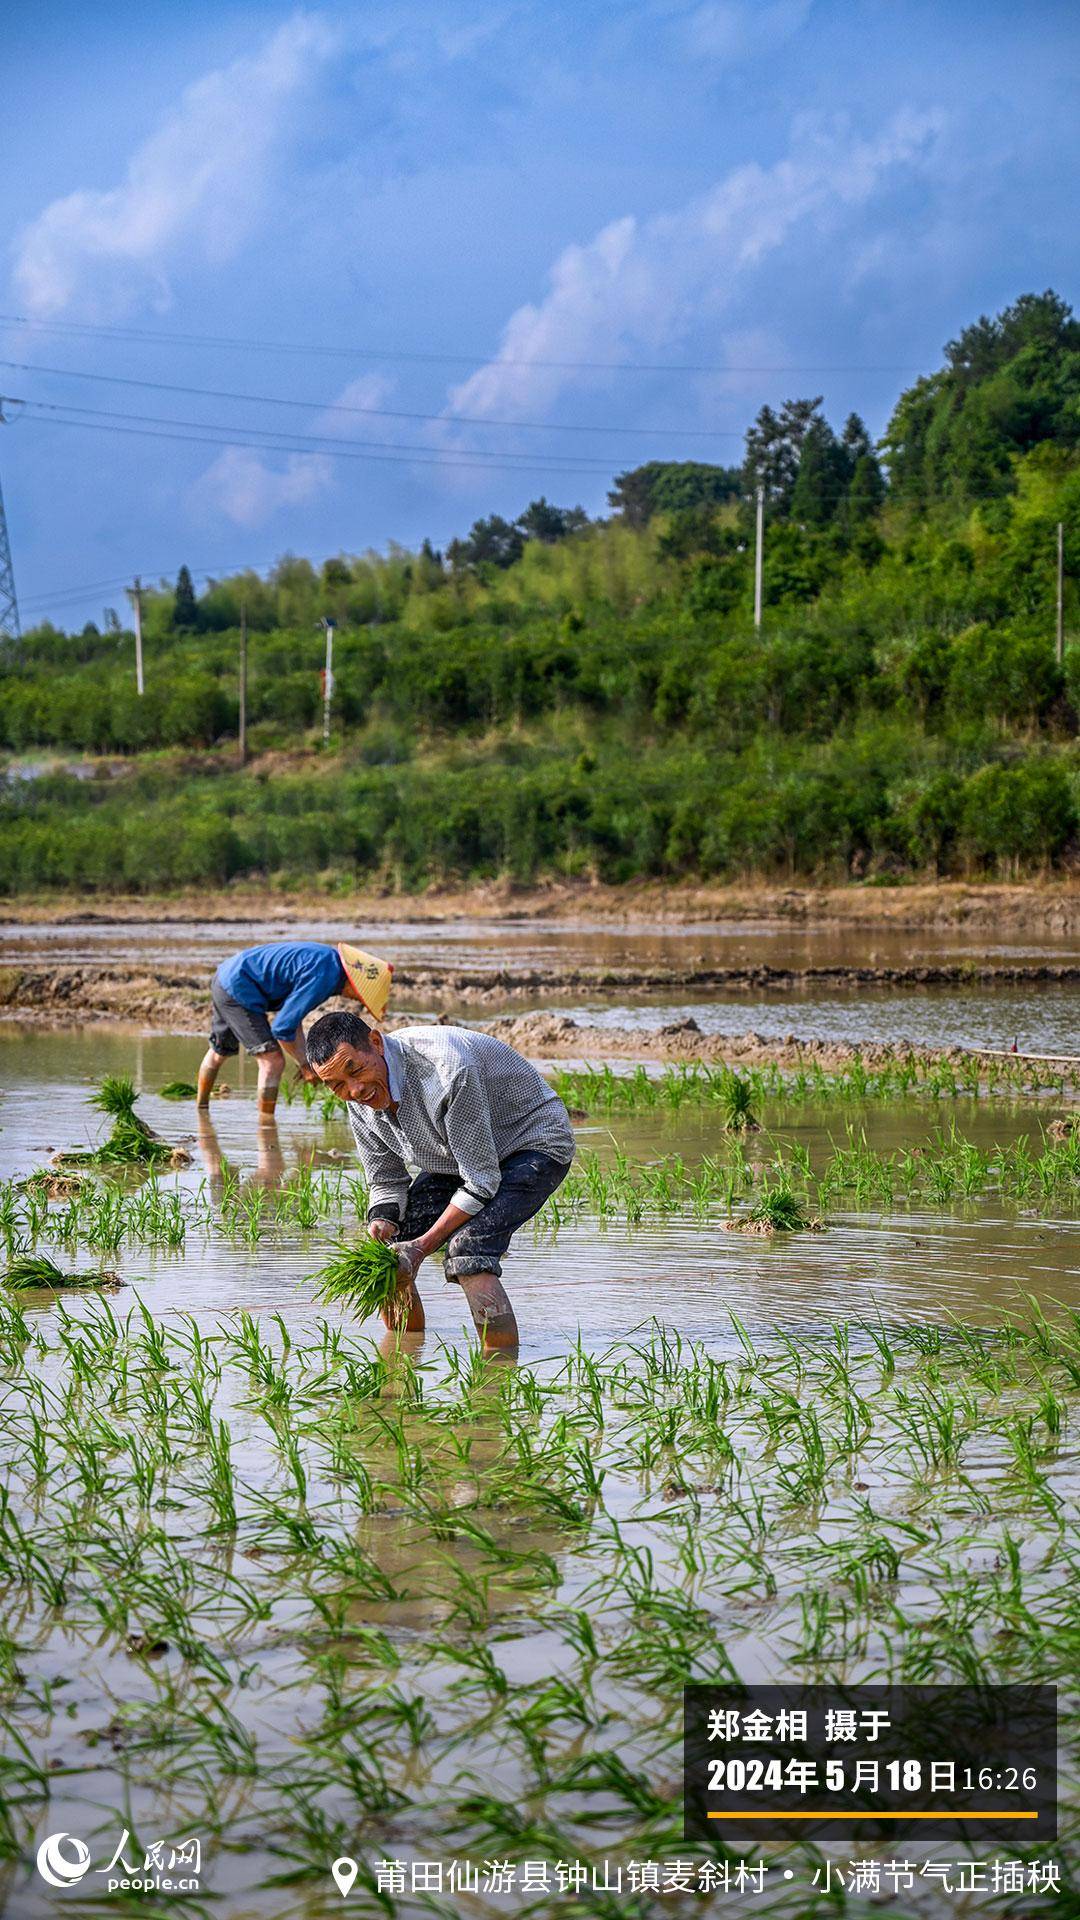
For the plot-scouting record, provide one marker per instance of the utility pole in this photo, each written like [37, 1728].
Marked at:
[134, 594]
[1061, 593]
[328, 679]
[759, 553]
[9, 606]
[243, 682]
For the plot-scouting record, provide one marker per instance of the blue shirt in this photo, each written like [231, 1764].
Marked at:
[290, 977]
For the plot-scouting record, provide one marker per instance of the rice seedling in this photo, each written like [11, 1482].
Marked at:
[736, 1101]
[365, 1277]
[907, 1076]
[36, 1272]
[177, 1090]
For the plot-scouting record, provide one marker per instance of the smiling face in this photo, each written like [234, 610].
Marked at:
[358, 1073]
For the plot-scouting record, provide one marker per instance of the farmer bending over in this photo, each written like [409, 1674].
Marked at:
[491, 1140]
[289, 979]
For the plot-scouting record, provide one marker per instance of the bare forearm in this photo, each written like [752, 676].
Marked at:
[296, 1049]
[447, 1223]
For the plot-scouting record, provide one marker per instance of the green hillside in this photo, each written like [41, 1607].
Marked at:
[559, 696]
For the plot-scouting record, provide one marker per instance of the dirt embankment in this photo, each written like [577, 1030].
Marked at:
[178, 1004]
[174, 998]
[1050, 906]
[178, 1001]
[554, 1036]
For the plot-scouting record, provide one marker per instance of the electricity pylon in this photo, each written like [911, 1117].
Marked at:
[9, 606]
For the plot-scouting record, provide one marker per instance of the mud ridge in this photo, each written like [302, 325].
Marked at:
[178, 1002]
[179, 999]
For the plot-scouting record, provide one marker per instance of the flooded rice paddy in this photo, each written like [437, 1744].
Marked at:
[277, 1583]
[552, 958]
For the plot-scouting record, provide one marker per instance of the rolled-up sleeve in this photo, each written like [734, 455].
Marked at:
[467, 1120]
[384, 1170]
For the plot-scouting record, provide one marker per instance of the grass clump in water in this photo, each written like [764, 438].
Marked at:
[178, 1090]
[30, 1272]
[366, 1276]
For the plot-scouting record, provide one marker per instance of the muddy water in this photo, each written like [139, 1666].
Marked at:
[1041, 1020]
[972, 1259]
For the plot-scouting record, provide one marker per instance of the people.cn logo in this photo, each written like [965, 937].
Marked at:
[60, 1868]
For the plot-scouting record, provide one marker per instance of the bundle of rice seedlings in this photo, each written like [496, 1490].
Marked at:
[131, 1142]
[366, 1276]
[178, 1090]
[778, 1211]
[55, 1186]
[116, 1096]
[30, 1272]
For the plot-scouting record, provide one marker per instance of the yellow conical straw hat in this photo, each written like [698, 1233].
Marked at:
[369, 977]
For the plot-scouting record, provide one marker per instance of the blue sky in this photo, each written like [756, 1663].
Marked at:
[533, 223]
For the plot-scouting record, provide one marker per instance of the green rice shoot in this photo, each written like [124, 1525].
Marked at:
[736, 1102]
[177, 1090]
[365, 1276]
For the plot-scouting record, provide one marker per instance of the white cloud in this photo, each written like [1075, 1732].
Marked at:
[249, 491]
[732, 30]
[366, 393]
[196, 183]
[641, 286]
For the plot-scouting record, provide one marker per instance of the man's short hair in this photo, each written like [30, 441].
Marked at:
[334, 1030]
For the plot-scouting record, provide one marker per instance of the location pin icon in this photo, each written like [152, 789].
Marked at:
[344, 1872]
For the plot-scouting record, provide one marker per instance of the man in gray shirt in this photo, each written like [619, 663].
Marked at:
[490, 1139]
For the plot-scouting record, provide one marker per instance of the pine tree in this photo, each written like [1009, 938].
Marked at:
[185, 605]
[821, 479]
[866, 494]
[774, 447]
[866, 483]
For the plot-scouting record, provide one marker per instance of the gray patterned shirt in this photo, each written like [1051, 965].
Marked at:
[465, 1101]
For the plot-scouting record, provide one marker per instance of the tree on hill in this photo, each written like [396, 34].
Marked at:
[822, 478]
[774, 447]
[541, 521]
[496, 542]
[670, 486]
[865, 480]
[185, 605]
[1008, 384]
[493, 542]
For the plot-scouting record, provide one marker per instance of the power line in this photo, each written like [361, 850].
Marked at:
[161, 573]
[193, 435]
[313, 350]
[381, 413]
[307, 442]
